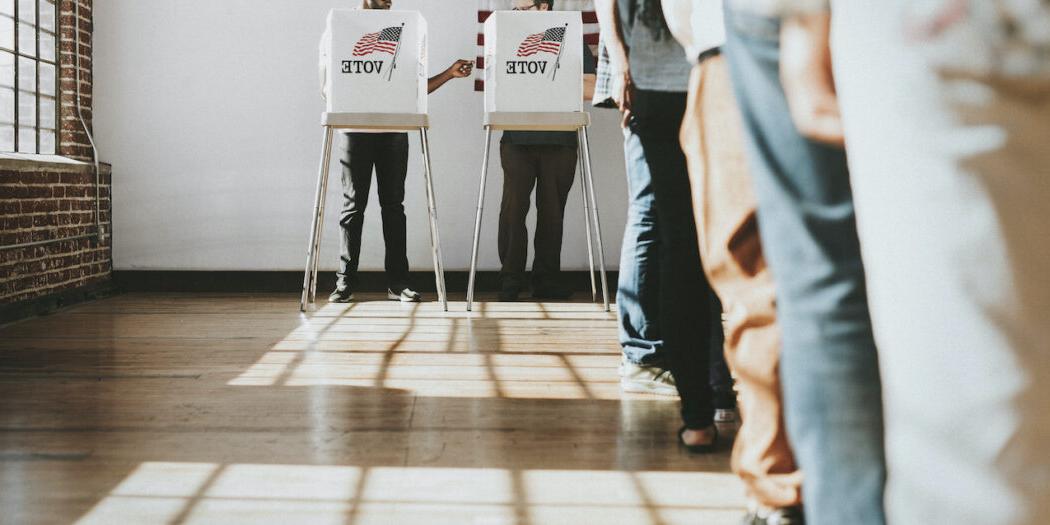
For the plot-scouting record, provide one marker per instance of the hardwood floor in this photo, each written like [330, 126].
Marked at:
[196, 408]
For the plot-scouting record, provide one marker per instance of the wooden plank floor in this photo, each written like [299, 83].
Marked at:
[195, 408]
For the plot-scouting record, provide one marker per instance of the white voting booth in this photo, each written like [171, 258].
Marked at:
[376, 80]
[534, 82]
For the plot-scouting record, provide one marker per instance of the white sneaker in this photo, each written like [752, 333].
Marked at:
[641, 379]
[725, 415]
[406, 295]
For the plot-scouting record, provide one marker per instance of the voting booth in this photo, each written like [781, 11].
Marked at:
[375, 79]
[534, 61]
[377, 61]
[534, 82]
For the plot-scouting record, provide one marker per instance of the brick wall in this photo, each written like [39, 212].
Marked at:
[42, 200]
[72, 141]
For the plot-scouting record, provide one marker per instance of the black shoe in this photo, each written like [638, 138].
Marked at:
[508, 293]
[780, 516]
[341, 295]
[706, 448]
[550, 291]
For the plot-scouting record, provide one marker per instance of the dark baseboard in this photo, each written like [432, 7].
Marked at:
[290, 281]
[48, 304]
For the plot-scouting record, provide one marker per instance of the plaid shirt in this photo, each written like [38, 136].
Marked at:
[606, 83]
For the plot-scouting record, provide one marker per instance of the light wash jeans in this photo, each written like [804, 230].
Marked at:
[951, 175]
[829, 365]
[638, 284]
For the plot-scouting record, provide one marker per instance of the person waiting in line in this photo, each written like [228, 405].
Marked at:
[645, 367]
[654, 80]
[829, 365]
[545, 160]
[387, 153]
[726, 221]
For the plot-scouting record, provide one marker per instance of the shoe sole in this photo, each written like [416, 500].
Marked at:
[396, 297]
[635, 388]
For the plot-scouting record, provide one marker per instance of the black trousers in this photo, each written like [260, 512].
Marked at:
[551, 170]
[689, 314]
[388, 154]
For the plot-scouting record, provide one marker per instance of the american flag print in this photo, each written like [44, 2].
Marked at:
[384, 41]
[486, 7]
[548, 41]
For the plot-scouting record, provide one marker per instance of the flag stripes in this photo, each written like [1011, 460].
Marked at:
[384, 41]
[548, 41]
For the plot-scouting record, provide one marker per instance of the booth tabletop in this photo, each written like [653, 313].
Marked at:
[376, 121]
[561, 121]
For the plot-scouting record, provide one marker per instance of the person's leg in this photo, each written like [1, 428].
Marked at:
[829, 365]
[391, 171]
[519, 177]
[951, 173]
[637, 294]
[724, 207]
[557, 169]
[357, 162]
[685, 305]
[723, 395]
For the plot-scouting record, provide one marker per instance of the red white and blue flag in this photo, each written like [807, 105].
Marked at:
[384, 41]
[548, 41]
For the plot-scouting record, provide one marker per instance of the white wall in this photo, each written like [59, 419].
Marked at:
[209, 112]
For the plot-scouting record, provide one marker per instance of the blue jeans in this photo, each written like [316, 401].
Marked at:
[637, 298]
[829, 366]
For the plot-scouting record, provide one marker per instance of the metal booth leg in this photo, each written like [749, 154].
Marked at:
[594, 212]
[477, 219]
[587, 222]
[316, 224]
[435, 237]
[320, 216]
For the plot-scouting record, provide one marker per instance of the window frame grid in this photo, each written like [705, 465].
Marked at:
[17, 54]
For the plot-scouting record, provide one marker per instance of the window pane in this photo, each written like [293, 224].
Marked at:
[47, 46]
[7, 32]
[7, 69]
[26, 109]
[27, 11]
[47, 14]
[7, 138]
[27, 140]
[47, 142]
[7, 7]
[47, 112]
[26, 74]
[7, 106]
[47, 79]
[26, 39]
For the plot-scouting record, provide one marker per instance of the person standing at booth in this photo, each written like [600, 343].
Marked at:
[388, 154]
[545, 160]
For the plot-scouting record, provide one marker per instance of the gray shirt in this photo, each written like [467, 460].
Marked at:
[658, 61]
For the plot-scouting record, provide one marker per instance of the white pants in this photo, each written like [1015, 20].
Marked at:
[951, 183]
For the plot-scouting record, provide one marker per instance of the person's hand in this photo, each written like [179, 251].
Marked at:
[461, 69]
[809, 85]
[623, 98]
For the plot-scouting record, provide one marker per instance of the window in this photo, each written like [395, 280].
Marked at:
[28, 76]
